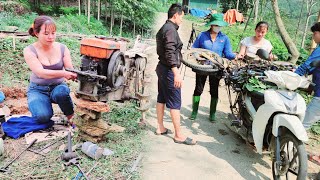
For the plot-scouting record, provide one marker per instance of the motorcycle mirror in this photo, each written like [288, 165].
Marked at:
[263, 54]
[315, 63]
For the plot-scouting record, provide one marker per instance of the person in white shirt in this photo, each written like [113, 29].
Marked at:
[250, 45]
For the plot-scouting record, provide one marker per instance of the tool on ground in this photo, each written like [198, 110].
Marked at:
[66, 156]
[79, 175]
[4, 169]
[36, 152]
[51, 143]
[75, 162]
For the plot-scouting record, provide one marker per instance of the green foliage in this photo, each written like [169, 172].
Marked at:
[68, 10]
[14, 62]
[22, 22]
[74, 48]
[46, 9]
[79, 24]
[142, 12]
[231, 4]
[316, 128]
[255, 84]
[304, 54]
[189, 17]
[125, 115]
[14, 7]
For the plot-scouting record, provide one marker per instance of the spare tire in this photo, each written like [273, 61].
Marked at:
[190, 60]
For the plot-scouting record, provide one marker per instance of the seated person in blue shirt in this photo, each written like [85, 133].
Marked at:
[313, 109]
[215, 41]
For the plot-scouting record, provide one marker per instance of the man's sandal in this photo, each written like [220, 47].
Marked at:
[163, 133]
[188, 141]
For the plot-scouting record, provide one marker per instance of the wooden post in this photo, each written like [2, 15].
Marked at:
[79, 7]
[88, 11]
[14, 42]
[99, 4]
[313, 44]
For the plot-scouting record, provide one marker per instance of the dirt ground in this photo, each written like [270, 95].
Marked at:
[219, 153]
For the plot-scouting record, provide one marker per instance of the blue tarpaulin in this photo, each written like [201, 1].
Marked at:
[199, 13]
[16, 127]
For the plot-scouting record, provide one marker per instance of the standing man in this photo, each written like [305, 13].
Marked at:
[313, 109]
[169, 48]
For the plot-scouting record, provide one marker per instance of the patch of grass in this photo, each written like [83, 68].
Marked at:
[193, 18]
[13, 67]
[316, 128]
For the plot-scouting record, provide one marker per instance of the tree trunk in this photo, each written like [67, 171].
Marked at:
[310, 4]
[237, 5]
[79, 7]
[256, 11]
[88, 11]
[313, 44]
[99, 5]
[121, 21]
[295, 36]
[284, 34]
[85, 7]
[111, 20]
[93, 7]
[134, 28]
[106, 11]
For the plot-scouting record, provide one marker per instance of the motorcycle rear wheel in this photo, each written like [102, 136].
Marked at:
[293, 157]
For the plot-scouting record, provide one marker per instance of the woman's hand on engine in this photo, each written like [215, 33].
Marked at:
[70, 75]
[239, 56]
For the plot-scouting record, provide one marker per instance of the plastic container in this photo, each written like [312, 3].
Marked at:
[92, 150]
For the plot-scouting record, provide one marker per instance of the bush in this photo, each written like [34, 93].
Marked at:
[22, 22]
[68, 10]
[14, 7]
[46, 9]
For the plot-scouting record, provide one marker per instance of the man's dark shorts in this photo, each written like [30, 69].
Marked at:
[167, 93]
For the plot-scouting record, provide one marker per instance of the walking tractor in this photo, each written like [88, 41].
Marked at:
[108, 71]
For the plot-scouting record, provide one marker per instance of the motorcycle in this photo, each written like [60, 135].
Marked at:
[270, 120]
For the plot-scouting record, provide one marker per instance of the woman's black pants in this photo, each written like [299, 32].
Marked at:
[201, 81]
